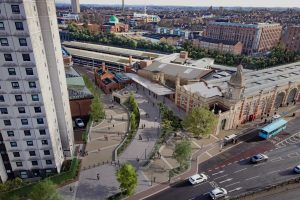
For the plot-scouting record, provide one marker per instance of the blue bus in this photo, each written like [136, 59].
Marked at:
[272, 129]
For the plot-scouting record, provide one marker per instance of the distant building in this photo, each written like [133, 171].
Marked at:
[292, 39]
[256, 38]
[146, 18]
[93, 28]
[75, 6]
[176, 32]
[114, 26]
[68, 17]
[223, 46]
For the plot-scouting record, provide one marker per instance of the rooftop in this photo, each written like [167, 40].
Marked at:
[216, 41]
[203, 90]
[263, 80]
[258, 25]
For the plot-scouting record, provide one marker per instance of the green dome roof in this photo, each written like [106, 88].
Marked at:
[113, 19]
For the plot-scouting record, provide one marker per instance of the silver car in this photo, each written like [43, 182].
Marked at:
[259, 158]
[218, 193]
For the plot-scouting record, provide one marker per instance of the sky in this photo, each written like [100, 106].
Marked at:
[225, 3]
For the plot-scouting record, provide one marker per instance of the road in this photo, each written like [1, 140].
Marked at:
[289, 195]
[233, 171]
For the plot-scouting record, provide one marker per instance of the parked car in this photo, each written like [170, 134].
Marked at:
[198, 178]
[79, 123]
[230, 139]
[297, 169]
[259, 158]
[218, 193]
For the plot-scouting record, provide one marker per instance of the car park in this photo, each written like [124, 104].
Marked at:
[79, 123]
[297, 169]
[218, 193]
[259, 158]
[198, 178]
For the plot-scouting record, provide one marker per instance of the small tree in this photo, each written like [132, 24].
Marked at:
[183, 151]
[44, 190]
[200, 121]
[127, 177]
[97, 111]
[133, 124]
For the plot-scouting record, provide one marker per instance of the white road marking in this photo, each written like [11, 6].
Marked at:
[208, 154]
[273, 172]
[229, 179]
[294, 154]
[213, 184]
[220, 172]
[232, 184]
[260, 164]
[214, 137]
[276, 159]
[252, 178]
[221, 177]
[240, 170]
[165, 161]
[236, 189]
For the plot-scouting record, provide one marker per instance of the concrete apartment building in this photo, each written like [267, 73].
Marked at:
[255, 38]
[75, 6]
[35, 118]
[292, 38]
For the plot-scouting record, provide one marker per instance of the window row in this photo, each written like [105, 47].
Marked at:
[4, 41]
[31, 153]
[7, 122]
[29, 143]
[15, 85]
[19, 98]
[12, 71]
[8, 57]
[34, 162]
[26, 133]
[21, 110]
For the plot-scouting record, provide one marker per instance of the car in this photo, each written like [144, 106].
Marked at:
[218, 193]
[297, 169]
[230, 139]
[197, 178]
[79, 123]
[259, 158]
[275, 117]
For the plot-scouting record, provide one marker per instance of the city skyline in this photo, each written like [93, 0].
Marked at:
[225, 3]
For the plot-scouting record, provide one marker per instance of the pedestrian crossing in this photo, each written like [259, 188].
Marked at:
[294, 139]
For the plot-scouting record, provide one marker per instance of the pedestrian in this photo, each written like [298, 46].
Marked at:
[71, 189]
[98, 177]
[113, 125]
[137, 159]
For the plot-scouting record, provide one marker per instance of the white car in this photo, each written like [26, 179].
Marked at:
[197, 178]
[218, 193]
[79, 123]
[259, 158]
[297, 169]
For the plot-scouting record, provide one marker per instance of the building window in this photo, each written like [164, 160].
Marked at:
[27, 133]
[44, 142]
[11, 71]
[29, 71]
[4, 42]
[29, 143]
[3, 111]
[37, 109]
[19, 164]
[26, 57]
[22, 42]
[7, 122]
[21, 110]
[48, 162]
[32, 153]
[10, 134]
[7, 57]
[40, 120]
[16, 154]
[15, 85]
[42, 132]
[2, 26]
[13, 144]
[46, 152]
[24, 121]
[32, 84]
[15, 9]
[2, 98]
[35, 97]
[18, 98]
[19, 26]
[34, 163]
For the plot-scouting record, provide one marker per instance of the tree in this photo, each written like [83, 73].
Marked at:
[97, 109]
[44, 190]
[133, 124]
[183, 151]
[200, 122]
[127, 177]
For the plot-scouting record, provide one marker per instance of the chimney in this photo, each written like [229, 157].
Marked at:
[184, 55]
[130, 61]
[103, 67]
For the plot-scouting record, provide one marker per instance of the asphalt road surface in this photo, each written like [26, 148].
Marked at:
[288, 195]
[233, 171]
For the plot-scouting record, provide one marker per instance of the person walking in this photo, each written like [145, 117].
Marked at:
[98, 177]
